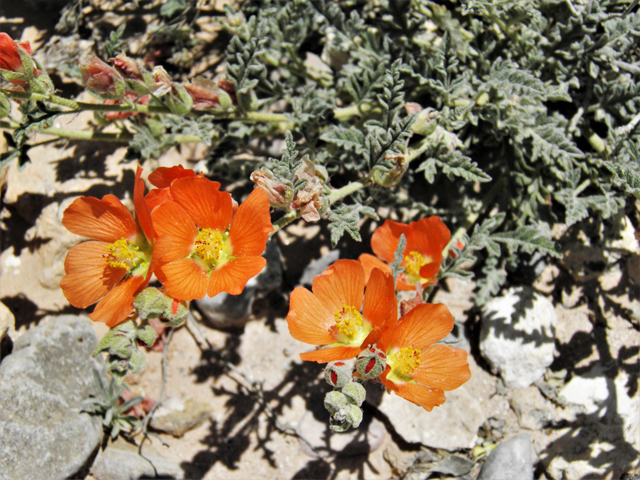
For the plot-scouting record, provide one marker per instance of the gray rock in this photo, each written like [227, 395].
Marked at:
[121, 461]
[42, 385]
[225, 311]
[517, 336]
[460, 416]
[176, 416]
[511, 460]
[318, 266]
[453, 465]
[534, 412]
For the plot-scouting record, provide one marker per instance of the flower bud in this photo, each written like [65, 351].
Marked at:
[334, 401]
[355, 393]
[426, 121]
[371, 362]
[137, 361]
[129, 70]
[338, 374]
[204, 93]
[153, 303]
[389, 176]
[147, 335]
[101, 79]
[345, 418]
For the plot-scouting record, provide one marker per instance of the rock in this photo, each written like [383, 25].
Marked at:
[453, 465]
[7, 329]
[176, 416]
[367, 438]
[227, 311]
[42, 385]
[533, 410]
[517, 336]
[121, 461]
[460, 416]
[586, 393]
[511, 460]
[318, 266]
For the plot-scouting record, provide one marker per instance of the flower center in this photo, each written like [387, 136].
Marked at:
[123, 253]
[211, 245]
[348, 320]
[413, 263]
[405, 361]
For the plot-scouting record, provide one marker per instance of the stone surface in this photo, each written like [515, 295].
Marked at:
[121, 461]
[318, 266]
[533, 410]
[42, 385]
[517, 336]
[460, 417]
[367, 438]
[511, 460]
[176, 416]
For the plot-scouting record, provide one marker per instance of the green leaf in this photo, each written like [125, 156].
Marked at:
[170, 7]
[626, 178]
[351, 139]
[345, 218]
[453, 164]
[527, 239]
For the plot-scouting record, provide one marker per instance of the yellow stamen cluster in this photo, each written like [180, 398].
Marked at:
[121, 254]
[210, 245]
[348, 320]
[413, 263]
[405, 361]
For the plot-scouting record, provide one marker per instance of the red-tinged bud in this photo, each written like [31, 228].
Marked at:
[459, 246]
[371, 362]
[204, 93]
[230, 88]
[101, 78]
[134, 78]
[10, 58]
[176, 96]
[338, 374]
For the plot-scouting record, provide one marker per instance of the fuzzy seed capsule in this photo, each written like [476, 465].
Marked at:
[337, 374]
[335, 401]
[371, 362]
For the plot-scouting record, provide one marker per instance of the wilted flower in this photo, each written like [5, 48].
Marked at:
[101, 78]
[280, 194]
[176, 96]
[331, 314]
[309, 199]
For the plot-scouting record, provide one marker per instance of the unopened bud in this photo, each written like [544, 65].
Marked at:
[152, 303]
[101, 78]
[371, 362]
[147, 335]
[355, 393]
[137, 361]
[179, 101]
[335, 401]
[338, 374]
[345, 418]
[426, 121]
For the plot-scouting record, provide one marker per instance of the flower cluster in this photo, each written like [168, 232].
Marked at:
[352, 311]
[186, 232]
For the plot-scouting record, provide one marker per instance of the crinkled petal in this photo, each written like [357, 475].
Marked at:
[89, 277]
[157, 197]
[207, 206]
[107, 220]
[341, 284]
[116, 306]
[443, 367]
[171, 220]
[183, 279]
[384, 241]
[380, 304]
[162, 177]
[331, 354]
[251, 225]
[234, 275]
[309, 320]
[423, 326]
[369, 262]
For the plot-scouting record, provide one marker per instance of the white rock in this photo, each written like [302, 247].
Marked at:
[517, 336]
[585, 392]
[460, 417]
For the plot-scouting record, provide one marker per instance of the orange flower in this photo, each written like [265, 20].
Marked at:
[118, 264]
[211, 250]
[426, 240]
[331, 314]
[162, 178]
[418, 370]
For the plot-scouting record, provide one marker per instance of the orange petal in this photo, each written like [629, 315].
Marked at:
[426, 397]
[234, 275]
[163, 176]
[142, 209]
[309, 319]
[341, 284]
[89, 277]
[429, 236]
[384, 241]
[380, 304]
[402, 283]
[157, 197]
[442, 367]
[117, 305]
[369, 262]
[171, 220]
[251, 225]
[106, 220]
[183, 279]
[423, 326]
[207, 206]
[331, 354]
